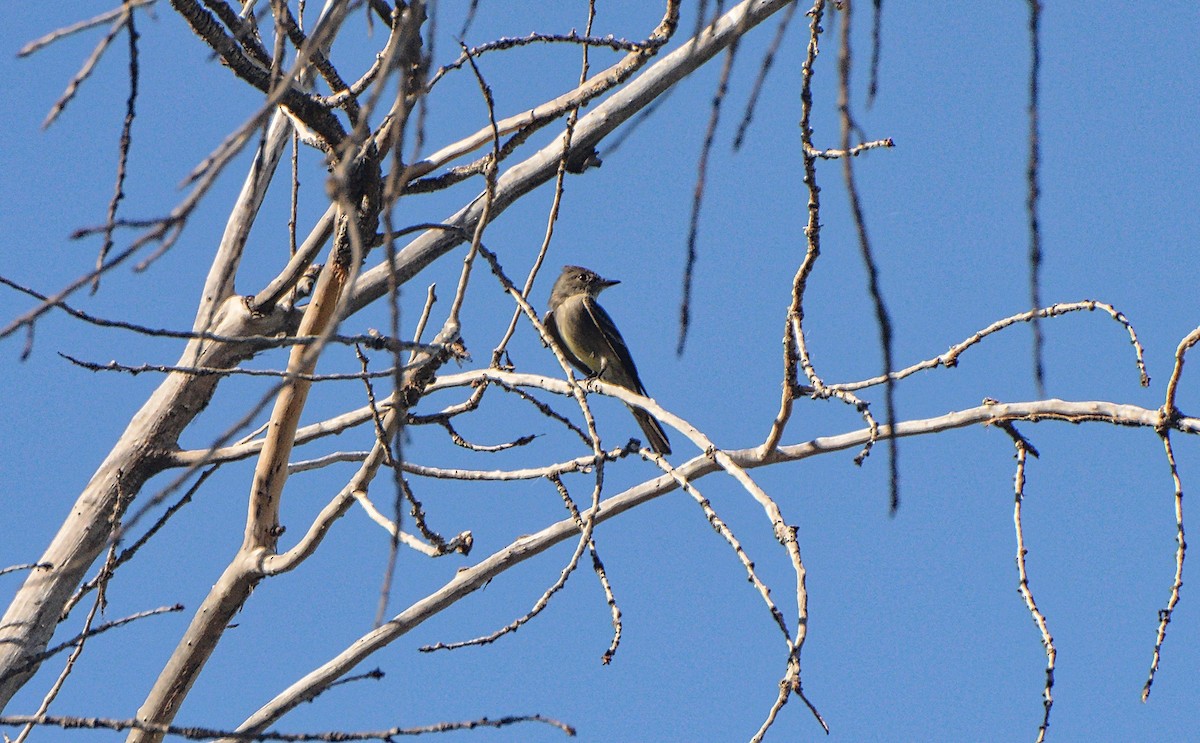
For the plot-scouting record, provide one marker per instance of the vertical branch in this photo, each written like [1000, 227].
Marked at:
[1167, 414]
[864, 244]
[765, 67]
[876, 43]
[402, 53]
[244, 572]
[294, 195]
[262, 525]
[126, 144]
[795, 351]
[1164, 615]
[1031, 202]
[714, 118]
[1024, 448]
[1169, 410]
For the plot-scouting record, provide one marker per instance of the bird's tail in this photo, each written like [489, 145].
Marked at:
[655, 435]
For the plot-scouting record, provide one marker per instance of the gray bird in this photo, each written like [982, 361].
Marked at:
[591, 342]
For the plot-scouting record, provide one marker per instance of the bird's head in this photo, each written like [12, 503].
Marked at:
[579, 280]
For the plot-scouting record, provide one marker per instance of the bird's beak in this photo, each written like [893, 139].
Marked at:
[605, 283]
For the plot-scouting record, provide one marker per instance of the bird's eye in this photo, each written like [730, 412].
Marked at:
[583, 277]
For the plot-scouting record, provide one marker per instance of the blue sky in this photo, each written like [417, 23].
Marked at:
[916, 629]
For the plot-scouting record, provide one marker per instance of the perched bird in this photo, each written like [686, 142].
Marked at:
[591, 342]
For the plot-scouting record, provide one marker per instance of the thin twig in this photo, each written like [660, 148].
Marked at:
[1024, 449]
[585, 542]
[1034, 192]
[88, 67]
[1165, 614]
[950, 357]
[202, 733]
[854, 151]
[764, 67]
[97, 20]
[795, 347]
[206, 371]
[882, 317]
[26, 566]
[1177, 370]
[126, 143]
[710, 134]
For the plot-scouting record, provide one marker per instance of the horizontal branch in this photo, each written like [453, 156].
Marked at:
[192, 732]
[469, 579]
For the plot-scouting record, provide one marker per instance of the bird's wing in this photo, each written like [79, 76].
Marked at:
[616, 343]
[552, 328]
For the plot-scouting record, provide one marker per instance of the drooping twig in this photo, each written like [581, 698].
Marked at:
[1024, 450]
[1165, 614]
[1034, 193]
[882, 317]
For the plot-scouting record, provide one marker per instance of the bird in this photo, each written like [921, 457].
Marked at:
[590, 340]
